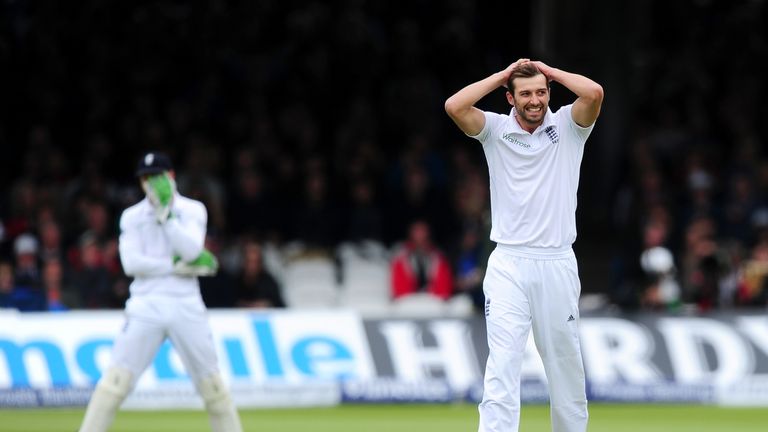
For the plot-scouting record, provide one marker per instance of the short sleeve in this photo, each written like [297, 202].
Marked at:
[492, 122]
[566, 120]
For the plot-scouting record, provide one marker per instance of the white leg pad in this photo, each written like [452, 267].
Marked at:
[109, 394]
[221, 410]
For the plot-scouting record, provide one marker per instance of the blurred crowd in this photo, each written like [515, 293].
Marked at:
[691, 213]
[314, 125]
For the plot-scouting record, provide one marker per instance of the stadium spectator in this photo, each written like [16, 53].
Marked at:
[251, 210]
[86, 201]
[415, 197]
[218, 291]
[418, 266]
[469, 266]
[51, 243]
[91, 277]
[650, 279]
[28, 294]
[23, 204]
[701, 270]
[201, 179]
[660, 290]
[59, 296]
[740, 204]
[733, 262]
[700, 201]
[98, 220]
[255, 286]
[314, 218]
[753, 287]
[6, 285]
[364, 220]
[472, 246]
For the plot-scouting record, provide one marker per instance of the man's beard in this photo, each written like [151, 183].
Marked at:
[523, 115]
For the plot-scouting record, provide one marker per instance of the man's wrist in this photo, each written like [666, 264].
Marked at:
[554, 73]
[500, 77]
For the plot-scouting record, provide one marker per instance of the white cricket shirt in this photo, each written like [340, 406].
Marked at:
[147, 248]
[533, 178]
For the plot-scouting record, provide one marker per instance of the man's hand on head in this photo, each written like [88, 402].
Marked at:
[548, 71]
[508, 71]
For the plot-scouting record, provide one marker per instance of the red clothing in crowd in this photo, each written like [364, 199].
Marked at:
[437, 276]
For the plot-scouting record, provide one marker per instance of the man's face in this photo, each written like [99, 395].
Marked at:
[144, 180]
[419, 235]
[531, 99]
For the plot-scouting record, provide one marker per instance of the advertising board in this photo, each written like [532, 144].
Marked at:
[277, 358]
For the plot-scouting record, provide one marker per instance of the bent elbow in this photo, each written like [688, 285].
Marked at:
[129, 267]
[451, 107]
[190, 250]
[191, 254]
[597, 93]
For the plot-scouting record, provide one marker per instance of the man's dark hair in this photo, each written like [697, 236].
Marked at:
[525, 70]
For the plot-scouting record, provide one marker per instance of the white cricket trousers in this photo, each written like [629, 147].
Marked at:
[532, 288]
[151, 319]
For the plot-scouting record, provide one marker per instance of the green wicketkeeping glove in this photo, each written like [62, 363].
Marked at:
[161, 189]
[205, 264]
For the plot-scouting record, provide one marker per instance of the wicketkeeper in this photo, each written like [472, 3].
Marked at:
[161, 247]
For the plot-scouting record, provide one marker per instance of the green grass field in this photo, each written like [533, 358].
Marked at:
[404, 418]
